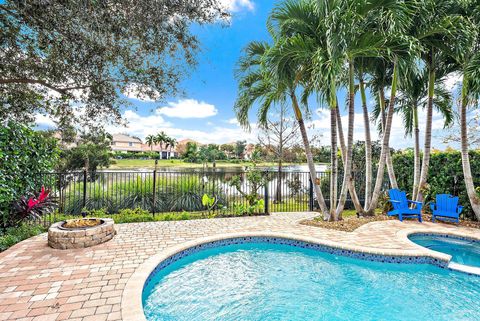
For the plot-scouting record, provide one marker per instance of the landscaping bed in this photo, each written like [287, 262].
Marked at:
[351, 222]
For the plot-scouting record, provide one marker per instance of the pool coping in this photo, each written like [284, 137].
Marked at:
[131, 303]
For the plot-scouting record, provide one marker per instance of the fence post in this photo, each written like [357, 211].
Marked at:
[310, 195]
[84, 188]
[154, 188]
[266, 199]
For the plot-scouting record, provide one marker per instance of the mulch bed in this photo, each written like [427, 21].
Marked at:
[351, 223]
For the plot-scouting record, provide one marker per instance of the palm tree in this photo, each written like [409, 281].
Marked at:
[150, 140]
[160, 139]
[469, 65]
[324, 36]
[171, 143]
[414, 95]
[441, 33]
[266, 77]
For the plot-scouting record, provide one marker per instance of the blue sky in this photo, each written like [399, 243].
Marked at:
[205, 112]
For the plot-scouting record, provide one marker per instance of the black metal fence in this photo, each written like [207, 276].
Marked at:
[164, 191]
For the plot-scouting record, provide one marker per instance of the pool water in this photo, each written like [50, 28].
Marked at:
[257, 281]
[466, 252]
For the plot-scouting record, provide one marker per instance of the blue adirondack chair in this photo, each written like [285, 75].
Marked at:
[401, 205]
[446, 208]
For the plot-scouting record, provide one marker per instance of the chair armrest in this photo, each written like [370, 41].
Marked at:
[393, 201]
[459, 209]
[419, 204]
[415, 202]
[433, 206]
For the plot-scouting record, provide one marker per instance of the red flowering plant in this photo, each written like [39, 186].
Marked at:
[33, 208]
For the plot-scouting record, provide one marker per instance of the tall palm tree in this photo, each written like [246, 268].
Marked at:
[266, 78]
[469, 65]
[329, 35]
[414, 95]
[441, 32]
[150, 140]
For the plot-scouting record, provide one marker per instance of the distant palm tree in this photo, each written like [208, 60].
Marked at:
[150, 140]
[161, 139]
[173, 142]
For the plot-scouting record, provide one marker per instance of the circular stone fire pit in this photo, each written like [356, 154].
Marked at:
[60, 237]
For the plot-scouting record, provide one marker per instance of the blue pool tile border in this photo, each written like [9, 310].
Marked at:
[296, 243]
[445, 235]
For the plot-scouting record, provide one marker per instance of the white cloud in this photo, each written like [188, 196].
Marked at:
[232, 121]
[238, 5]
[188, 108]
[140, 126]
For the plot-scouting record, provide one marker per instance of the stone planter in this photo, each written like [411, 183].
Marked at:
[78, 238]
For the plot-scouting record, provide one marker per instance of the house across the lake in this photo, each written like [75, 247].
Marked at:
[126, 143]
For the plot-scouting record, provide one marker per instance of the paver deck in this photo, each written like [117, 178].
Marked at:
[40, 283]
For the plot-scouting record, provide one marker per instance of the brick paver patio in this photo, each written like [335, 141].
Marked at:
[40, 283]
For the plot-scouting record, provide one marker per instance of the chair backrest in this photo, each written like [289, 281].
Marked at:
[400, 196]
[447, 203]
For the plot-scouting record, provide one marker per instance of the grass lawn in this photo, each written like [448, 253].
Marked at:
[174, 163]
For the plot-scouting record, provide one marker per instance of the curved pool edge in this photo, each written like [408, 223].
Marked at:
[131, 303]
[471, 270]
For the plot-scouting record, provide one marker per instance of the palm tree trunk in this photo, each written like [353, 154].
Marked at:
[391, 170]
[416, 152]
[333, 162]
[467, 170]
[368, 144]
[308, 154]
[347, 170]
[385, 145]
[343, 149]
[388, 161]
[428, 132]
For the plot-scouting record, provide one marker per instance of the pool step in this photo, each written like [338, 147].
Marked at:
[464, 268]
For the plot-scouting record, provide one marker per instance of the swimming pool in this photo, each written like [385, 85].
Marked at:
[265, 281]
[463, 251]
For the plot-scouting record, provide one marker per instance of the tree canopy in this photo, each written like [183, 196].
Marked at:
[75, 58]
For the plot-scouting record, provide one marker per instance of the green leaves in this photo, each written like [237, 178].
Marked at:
[58, 55]
[24, 155]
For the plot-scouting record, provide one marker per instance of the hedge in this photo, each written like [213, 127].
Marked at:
[445, 175]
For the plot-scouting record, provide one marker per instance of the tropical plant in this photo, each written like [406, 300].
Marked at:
[32, 208]
[414, 95]
[442, 33]
[150, 140]
[160, 139]
[263, 79]
[468, 61]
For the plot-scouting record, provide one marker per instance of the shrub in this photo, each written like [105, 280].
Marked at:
[24, 156]
[445, 175]
[32, 209]
[13, 235]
